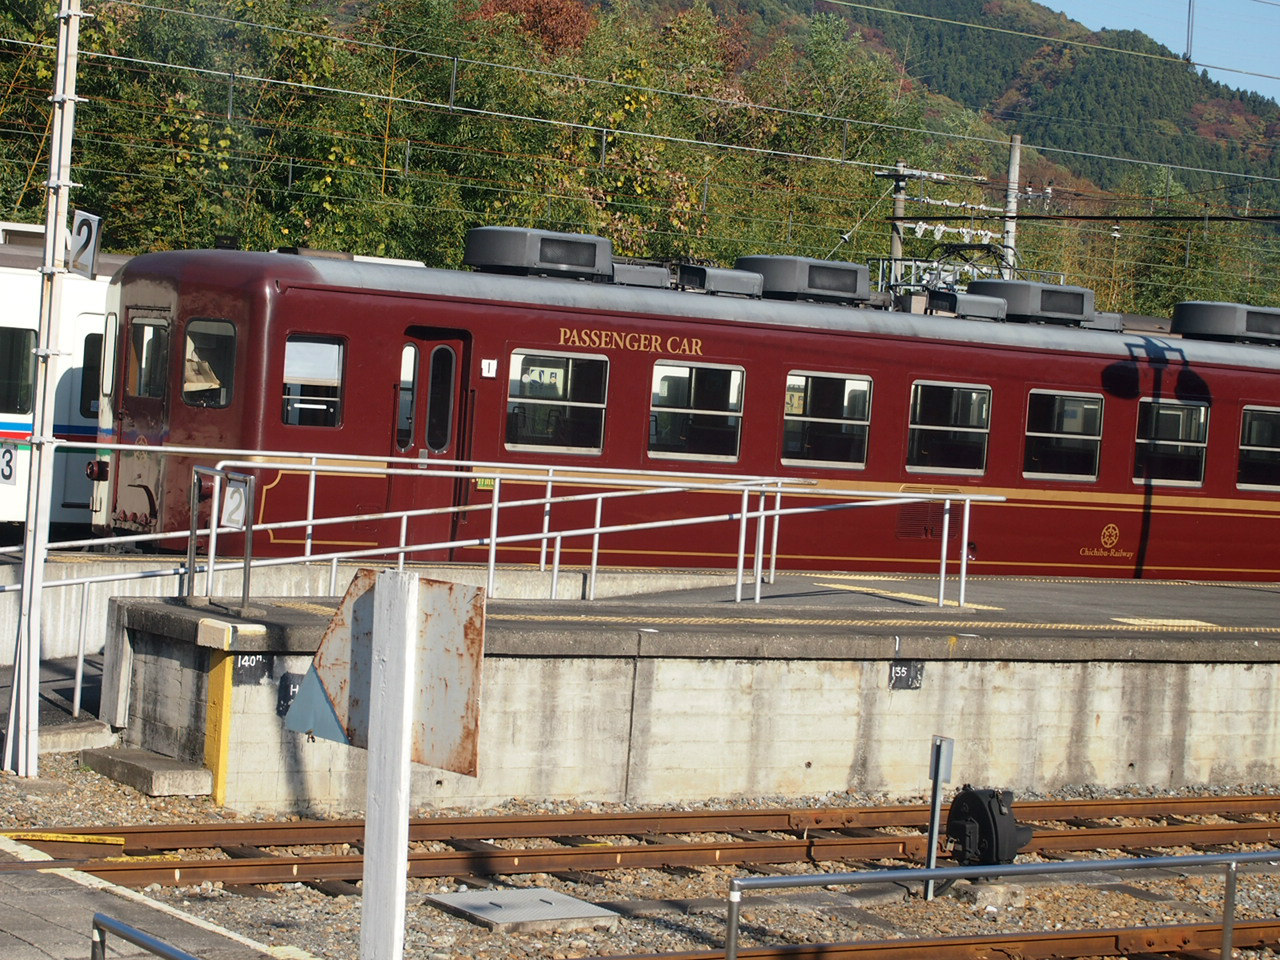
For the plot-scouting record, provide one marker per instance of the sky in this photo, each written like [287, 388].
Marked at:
[1241, 35]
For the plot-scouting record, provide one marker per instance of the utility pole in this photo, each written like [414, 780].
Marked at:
[900, 175]
[21, 745]
[1010, 261]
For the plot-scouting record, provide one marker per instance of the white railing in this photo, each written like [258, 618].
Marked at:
[1229, 862]
[609, 487]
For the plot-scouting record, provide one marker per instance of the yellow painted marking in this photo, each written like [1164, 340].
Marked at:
[967, 626]
[1163, 622]
[217, 726]
[63, 837]
[896, 595]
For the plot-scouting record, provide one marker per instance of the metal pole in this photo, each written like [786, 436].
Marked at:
[939, 773]
[21, 746]
[942, 563]
[735, 911]
[80, 647]
[251, 496]
[1228, 909]
[493, 535]
[759, 566]
[742, 546]
[595, 549]
[964, 550]
[895, 234]
[1009, 266]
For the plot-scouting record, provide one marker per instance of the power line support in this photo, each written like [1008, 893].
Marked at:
[21, 743]
[1010, 261]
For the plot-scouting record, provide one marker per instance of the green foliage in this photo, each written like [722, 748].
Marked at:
[707, 131]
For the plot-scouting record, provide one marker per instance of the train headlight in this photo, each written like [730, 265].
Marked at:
[98, 470]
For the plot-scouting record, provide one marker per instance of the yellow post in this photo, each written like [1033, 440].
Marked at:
[217, 724]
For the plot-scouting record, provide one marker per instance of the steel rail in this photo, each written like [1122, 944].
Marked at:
[1123, 942]
[493, 860]
[150, 837]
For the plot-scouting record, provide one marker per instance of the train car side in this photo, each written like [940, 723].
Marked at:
[1119, 455]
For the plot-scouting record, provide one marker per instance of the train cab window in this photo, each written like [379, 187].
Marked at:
[825, 419]
[1171, 442]
[90, 377]
[148, 358]
[1064, 436]
[313, 368]
[695, 411]
[17, 369]
[949, 427]
[210, 362]
[1259, 448]
[556, 401]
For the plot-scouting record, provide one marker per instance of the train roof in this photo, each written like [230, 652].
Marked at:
[587, 297]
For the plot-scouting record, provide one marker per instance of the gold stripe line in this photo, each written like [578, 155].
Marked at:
[966, 626]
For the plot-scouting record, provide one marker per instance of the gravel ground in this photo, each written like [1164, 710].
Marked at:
[329, 927]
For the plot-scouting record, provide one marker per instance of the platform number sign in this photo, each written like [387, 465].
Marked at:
[235, 503]
[906, 674]
[9, 464]
[85, 234]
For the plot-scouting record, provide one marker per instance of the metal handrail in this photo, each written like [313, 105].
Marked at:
[103, 924]
[1229, 862]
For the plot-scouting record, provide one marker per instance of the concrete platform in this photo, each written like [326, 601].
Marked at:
[833, 682]
[47, 914]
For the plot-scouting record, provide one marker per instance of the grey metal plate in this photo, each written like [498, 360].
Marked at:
[526, 908]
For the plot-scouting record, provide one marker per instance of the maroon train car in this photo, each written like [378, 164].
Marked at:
[1120, 454]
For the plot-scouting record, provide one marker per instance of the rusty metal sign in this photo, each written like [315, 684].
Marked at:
[332, 702]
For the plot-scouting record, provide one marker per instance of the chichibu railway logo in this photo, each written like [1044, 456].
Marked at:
[1110, 548]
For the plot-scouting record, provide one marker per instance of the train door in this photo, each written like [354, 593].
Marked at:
[141, 417]
[429, 412]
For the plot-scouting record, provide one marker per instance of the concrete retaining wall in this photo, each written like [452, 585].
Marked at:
[662, 724]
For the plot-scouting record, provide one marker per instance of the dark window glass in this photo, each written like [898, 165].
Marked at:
[209, 363]
[90, 376]
[312, 391]
[949, 427]
[1171, 442]
[695, 411]
[826, 419]
[1064, 436]
[148, 358]
[557, 400]
[17, 369]
[440, 394]
[1259, 448]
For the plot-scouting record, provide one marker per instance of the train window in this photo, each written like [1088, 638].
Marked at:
[17, 369]
[556, 400]
[407, 394]
[440, 394]
[1171, 442]
[695, 411]
[313, 381]
[89, 376]
[1064, 436]
[148, 358]
[209, 367]
[826, 418]
[949, 427]
[1259, 448]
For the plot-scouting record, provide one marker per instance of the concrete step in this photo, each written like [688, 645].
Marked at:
[150, 773]
[76, 735]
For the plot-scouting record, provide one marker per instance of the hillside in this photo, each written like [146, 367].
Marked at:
[1082, 99]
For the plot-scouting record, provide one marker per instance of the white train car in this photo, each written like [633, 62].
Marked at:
[74, 371]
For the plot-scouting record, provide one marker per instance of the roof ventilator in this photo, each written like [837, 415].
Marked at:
[1032, 302]
[527, 252]
[966, 305]
[803, 278]
[642, 275]
[718, 280]
[1231, 322]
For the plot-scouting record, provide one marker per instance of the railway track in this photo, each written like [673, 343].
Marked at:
[1195, 940]
[239, 853]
